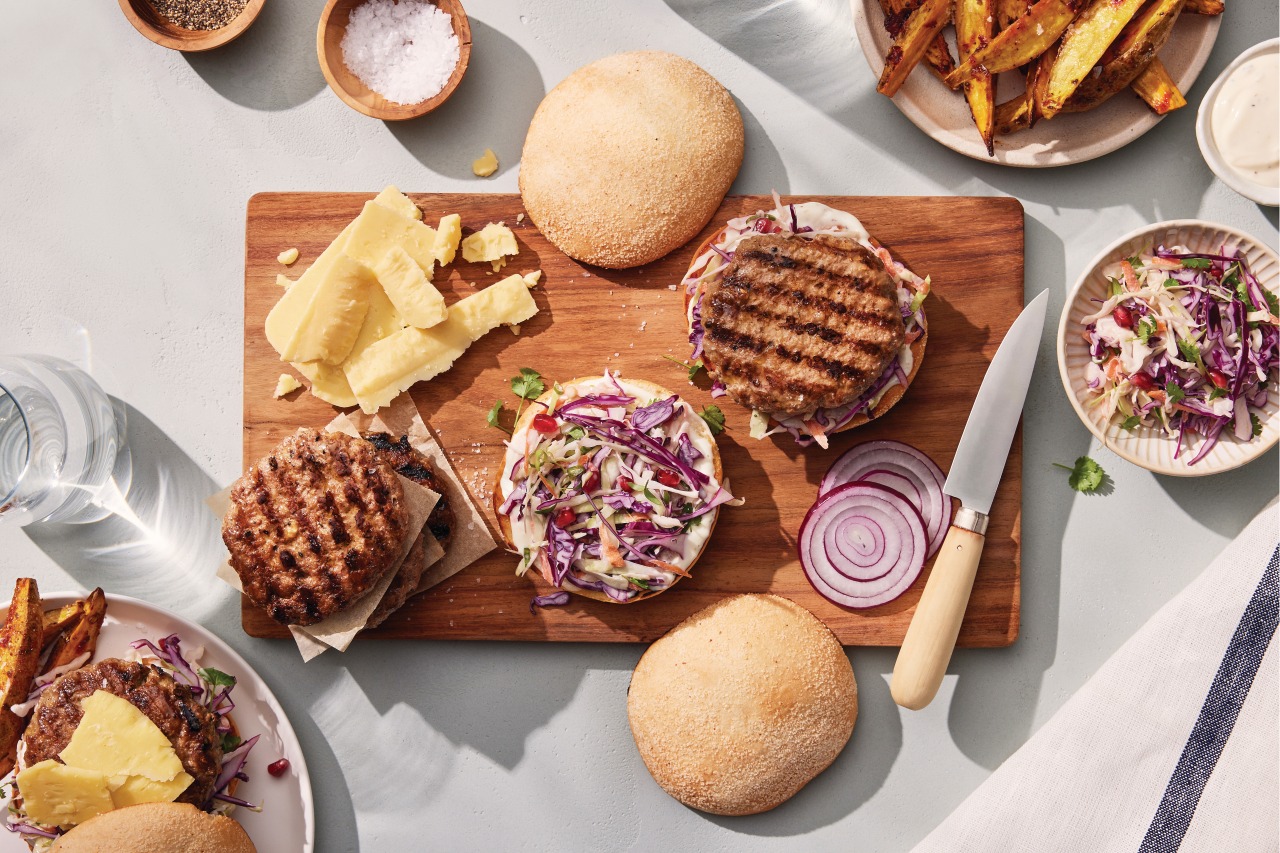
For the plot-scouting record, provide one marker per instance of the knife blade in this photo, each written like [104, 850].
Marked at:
[984, 444]
[974, 477]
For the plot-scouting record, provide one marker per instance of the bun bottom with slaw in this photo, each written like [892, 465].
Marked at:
[612, 513]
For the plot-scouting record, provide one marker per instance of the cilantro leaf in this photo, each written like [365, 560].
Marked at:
[1196, 263]
[492, 418]
[1216, 393]
[1086, 476]
[714, 418]
[1174, 392]
[577, 433]
[1146, 328]
[1257, 425]
[642, 584]
[1135, 262]
[1190, 352]
[1130, 423]
[528, 384]
[1273, 302]
[217, 678]
[229, 742]
[692, 368]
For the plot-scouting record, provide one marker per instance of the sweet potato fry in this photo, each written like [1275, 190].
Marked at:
[82, 637]
[1156, 87]
[1038, 81]
[1008, 11]
[1205, 7]
[1082, 46]
[57, 621]
[1127, 55]
[19, 657]
[975, 25]
[938, 57]
[1025, 39]
[938, 54]
[1013, 115]
[910, 45]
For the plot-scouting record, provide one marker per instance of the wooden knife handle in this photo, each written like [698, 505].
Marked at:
[931, 637]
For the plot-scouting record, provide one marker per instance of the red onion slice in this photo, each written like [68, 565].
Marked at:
[889, 463]
[862, 545]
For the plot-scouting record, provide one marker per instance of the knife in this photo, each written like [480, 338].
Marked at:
[974, 478]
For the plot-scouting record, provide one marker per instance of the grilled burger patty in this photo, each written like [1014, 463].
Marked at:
[187, 724]
[409, 463]
[314, 525]
[799, 324]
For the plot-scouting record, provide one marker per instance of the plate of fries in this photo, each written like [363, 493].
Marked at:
[1036, 84]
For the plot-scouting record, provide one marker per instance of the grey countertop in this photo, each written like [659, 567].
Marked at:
[127, 168]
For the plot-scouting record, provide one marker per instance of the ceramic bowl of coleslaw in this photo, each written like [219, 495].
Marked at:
[1168, 347]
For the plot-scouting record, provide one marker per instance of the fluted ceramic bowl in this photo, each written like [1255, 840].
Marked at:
[1149, 447]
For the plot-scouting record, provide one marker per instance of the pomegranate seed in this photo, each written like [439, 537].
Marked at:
[565, 517]
[593, 481]
[1143, 381]
[624, 482]
[667, 478]
[1218, 378]
[1123, 317]
[545, 424]
[278, 768]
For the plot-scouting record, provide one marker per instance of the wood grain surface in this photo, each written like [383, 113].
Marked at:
[591, 318]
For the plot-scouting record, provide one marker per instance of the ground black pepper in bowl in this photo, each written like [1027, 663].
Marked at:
[199, 14]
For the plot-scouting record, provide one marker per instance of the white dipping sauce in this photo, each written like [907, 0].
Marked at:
[1246, 120]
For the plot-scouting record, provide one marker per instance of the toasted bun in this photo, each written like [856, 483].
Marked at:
[740, 705]
[156, 828]
[504, 523]
[890, 397]
[629, 157]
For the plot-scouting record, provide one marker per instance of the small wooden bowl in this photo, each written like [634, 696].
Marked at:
[148, 21]
[358, 96]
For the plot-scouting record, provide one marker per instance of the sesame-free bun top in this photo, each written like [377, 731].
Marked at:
[739, 706]
[156, 828]
[629, 157]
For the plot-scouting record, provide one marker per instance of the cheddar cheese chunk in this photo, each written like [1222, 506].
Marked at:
[392, 199]
[410, 290]
[332, 320]
[57, 795]
[490, 243]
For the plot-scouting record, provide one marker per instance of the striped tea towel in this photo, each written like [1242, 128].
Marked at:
[1172, 746]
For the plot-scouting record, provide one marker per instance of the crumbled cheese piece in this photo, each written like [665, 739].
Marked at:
[491, 243]
[486, 165]
[286, 385]
[287, 257]
[531, 278]
[519, 218]
[515, 330]
[283, 280]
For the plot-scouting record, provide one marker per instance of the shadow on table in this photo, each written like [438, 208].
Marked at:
[167, 552]
[762, 169]
[273, 65]
[1214, 501]
[491, 108]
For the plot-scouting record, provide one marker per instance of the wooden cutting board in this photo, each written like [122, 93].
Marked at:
[592, 318]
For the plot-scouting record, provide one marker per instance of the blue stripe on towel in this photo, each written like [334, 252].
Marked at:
[1218, 715]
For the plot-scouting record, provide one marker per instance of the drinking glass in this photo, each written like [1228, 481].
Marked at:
[59, 436]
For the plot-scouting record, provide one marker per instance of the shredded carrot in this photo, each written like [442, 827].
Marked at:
[669, 567]
[1113, 369]
[1161, 328]
[544, 566]
[1164, 263]
[1085, 335]
[1157, 395]
[818, 432]
[609, 550]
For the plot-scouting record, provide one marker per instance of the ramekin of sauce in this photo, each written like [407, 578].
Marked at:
[1238, 125]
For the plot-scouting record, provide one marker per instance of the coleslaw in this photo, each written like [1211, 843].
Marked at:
[610, 489]
[808, 219]
[1186, 343]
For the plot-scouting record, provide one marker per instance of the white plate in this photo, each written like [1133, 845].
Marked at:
[1145, 446]
[1269, 196]
[1068, 138]
[287, 821]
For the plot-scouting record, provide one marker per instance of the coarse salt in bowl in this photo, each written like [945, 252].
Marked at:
[404, 51]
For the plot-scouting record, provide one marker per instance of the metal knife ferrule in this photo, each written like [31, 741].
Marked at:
[971, 519]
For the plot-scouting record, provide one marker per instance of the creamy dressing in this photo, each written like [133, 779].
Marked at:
[1246, 121]
[531, 530]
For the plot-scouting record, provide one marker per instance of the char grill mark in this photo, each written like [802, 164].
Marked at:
[798, 324]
